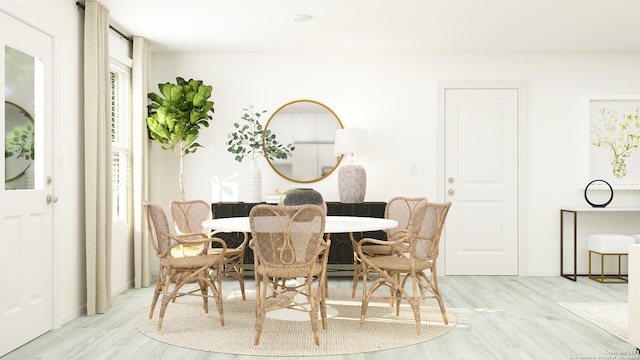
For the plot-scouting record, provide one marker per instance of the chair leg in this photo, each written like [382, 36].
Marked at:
[414, 299]
[165, 300]
[256, 338]
[163, 308]
[313, 314]
[204, 290]
[217, 293]
[156, 295]
[323, 312]
[356, 274]
[240, 272]
[322, 300]
[366, 296]
[436, 289]
[261, 293]
[313, 306]
[415, 306]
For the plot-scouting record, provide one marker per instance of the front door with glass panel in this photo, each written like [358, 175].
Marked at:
[26, 198]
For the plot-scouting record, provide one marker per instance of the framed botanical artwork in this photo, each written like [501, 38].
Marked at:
[610, 140]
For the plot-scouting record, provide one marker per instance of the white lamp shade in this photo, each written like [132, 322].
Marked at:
[349, 141]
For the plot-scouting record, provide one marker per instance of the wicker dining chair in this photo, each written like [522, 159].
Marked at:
[188, 217]
[398, 208]
[413, 260]
[287, 242]
[184, 269]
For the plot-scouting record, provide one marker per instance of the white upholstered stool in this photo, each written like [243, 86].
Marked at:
[609, 245]
[637, 237]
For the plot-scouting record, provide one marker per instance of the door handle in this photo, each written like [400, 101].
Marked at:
[51, 199]
[450, 192]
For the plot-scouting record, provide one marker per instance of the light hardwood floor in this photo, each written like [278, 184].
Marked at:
[498, 318]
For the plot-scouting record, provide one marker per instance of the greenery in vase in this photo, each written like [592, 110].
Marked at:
[19, 142]
[621, 136]
[176, 116]
[251, 140]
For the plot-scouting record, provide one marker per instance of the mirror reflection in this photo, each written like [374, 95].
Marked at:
[19, 125]
[18, 146]
[311, 127]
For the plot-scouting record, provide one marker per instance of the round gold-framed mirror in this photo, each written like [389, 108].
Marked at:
[311, 127]
[18, 148]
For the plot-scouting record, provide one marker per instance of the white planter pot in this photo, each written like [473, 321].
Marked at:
[252, 183]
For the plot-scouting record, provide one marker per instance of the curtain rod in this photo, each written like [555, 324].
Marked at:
[81, 6]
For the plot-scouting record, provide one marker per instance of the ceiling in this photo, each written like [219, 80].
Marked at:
[381, 25]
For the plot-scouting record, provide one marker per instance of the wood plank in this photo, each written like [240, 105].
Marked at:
[499, 317]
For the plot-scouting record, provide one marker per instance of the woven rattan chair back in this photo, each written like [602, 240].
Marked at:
[183, 269]
[400, 209]
[188, 217]
[159, 232]
[413, 261]
[430, 222]
[288, 243]
[287, 236]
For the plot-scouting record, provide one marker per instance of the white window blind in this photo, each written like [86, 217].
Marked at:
[120, 139]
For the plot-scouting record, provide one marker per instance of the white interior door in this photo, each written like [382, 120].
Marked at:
[25, 215]
[481, 181]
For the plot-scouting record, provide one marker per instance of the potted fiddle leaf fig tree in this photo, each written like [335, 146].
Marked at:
[176, 116]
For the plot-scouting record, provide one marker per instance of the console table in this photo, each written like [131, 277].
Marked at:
[574, 212]
[341, 252]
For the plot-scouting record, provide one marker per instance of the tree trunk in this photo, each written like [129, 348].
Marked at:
[181, 155]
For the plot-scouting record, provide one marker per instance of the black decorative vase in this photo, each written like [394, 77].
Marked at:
[302, 196]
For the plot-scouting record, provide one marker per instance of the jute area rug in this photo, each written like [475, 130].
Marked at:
[612, 317]
[187, 325]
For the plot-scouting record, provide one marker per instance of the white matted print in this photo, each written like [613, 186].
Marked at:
[610, 140]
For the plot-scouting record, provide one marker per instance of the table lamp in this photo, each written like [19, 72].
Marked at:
[352, 178]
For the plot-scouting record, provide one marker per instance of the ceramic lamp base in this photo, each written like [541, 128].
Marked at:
[352, 183]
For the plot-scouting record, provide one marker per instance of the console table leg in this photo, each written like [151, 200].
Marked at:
[574, 276]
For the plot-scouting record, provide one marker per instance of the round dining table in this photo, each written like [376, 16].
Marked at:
[333, 225]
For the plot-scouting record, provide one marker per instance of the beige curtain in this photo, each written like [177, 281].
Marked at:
[97, 154]
[140, 75]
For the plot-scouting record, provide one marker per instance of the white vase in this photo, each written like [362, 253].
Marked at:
[252, 183]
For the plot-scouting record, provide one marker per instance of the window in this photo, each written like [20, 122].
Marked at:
[120, 90]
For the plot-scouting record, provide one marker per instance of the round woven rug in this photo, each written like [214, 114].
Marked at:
[187, 325]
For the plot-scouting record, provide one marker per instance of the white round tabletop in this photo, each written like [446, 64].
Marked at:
[333, 224]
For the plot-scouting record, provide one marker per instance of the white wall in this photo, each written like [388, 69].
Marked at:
[394, 96]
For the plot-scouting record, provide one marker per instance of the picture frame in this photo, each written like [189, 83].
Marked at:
[610, 140]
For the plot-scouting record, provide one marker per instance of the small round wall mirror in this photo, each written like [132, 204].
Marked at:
[311, 127]
[18, 150]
